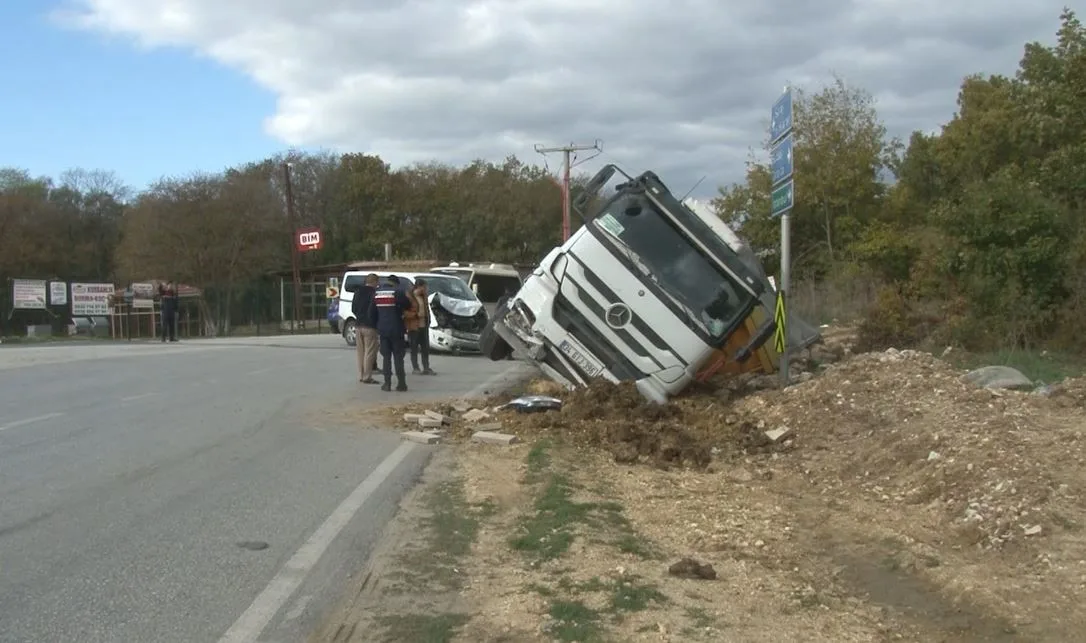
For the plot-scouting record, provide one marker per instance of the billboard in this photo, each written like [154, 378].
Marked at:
[58, 293]
[91, 300]
[28, 294]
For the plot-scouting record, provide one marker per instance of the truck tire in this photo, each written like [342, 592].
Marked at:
[491, 343]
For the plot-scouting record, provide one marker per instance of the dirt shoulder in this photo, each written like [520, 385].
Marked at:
[410, 587]
[894, 502]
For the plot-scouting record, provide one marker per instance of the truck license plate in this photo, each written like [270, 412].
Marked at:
[580, 360]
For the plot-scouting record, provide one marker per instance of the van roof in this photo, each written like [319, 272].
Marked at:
[483, 268]
[385, 273]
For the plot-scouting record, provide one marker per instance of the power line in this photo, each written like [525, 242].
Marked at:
[567, 152]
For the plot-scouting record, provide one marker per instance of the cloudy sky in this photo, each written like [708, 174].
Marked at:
[683, 87]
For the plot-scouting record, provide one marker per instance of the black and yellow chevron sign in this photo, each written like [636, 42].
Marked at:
[779, 318]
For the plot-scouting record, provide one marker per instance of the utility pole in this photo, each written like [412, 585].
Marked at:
[567, 152]
[293, 247]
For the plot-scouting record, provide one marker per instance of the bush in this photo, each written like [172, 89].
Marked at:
[895, 321]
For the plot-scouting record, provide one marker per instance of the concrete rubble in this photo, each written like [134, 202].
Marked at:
[432, 425]
[422, 437]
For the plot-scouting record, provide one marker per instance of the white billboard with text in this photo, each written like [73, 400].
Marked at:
[91, 300]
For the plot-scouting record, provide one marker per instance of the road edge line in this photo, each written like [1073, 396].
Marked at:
[254, 620]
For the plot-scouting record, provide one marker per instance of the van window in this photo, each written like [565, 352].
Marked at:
[352, 282]
[405, 283]
[491, 288]
[464, 275]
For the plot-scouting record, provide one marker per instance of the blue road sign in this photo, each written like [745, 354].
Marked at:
[780, 120]
[781, 161]
[783, 198]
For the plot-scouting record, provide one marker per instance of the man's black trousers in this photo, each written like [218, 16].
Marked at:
[420, 344]
[393, 346]
[169, 325]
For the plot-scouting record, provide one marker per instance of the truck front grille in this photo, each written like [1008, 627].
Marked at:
[579, 326]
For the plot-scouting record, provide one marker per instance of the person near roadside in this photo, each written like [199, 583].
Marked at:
[417, 321]
[167, 297]
[386, 315]
[365, 333]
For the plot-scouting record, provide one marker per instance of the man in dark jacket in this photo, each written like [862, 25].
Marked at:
[386, 315]
[365, 334]
[167, 294]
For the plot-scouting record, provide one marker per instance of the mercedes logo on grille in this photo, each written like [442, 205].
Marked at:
[618, 315]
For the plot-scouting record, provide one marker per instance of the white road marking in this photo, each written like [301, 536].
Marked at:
[133, 398]
[24, 422]
[253, 621]
[259, 371]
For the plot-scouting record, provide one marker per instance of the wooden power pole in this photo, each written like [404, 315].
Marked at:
[567, 153]
[294, 259]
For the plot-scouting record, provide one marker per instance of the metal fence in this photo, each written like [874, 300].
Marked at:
[260, 307]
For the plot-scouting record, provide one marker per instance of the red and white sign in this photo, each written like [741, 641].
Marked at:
[309, 239]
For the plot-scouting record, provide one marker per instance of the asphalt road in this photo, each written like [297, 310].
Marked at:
[132, 475]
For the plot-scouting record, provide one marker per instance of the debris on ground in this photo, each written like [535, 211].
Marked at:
[690, 568]
[532, 404]
[492, 437]
[421, 437]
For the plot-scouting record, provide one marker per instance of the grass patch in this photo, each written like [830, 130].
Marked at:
[573, 620]
[421, 628]
[699, 617]
[1047, 366]
[450, 528]
[627, 595]
[539, 459]
[546, 532]
[549, 530]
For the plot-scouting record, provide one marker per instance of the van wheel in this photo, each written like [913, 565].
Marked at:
[491, 343]
[350, 333]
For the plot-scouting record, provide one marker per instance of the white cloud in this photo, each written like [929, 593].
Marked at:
[682, 87]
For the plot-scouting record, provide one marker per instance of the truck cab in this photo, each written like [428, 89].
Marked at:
[647, 291]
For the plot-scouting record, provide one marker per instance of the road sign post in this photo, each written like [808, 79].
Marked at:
[782, 199]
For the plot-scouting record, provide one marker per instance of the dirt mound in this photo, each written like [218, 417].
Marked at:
[900, 426]
[904, 428]
[615, 417]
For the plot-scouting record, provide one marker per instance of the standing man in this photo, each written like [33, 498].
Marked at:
[365, 332]
[418, 329]
[167, 296]
[386, 315]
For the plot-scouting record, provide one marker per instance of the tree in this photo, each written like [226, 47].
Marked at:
[841, 155]
[214, 231]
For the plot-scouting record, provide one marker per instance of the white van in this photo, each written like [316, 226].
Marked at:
[457, 317]
[489, 281]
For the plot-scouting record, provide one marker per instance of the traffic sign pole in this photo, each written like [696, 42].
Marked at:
[782, 199]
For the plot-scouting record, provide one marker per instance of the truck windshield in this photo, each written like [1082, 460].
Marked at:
[674, 263]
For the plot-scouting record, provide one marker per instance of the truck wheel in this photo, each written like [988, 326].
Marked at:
[350, 333]
[491, 343]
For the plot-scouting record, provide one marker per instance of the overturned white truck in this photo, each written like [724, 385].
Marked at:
[648, 290]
